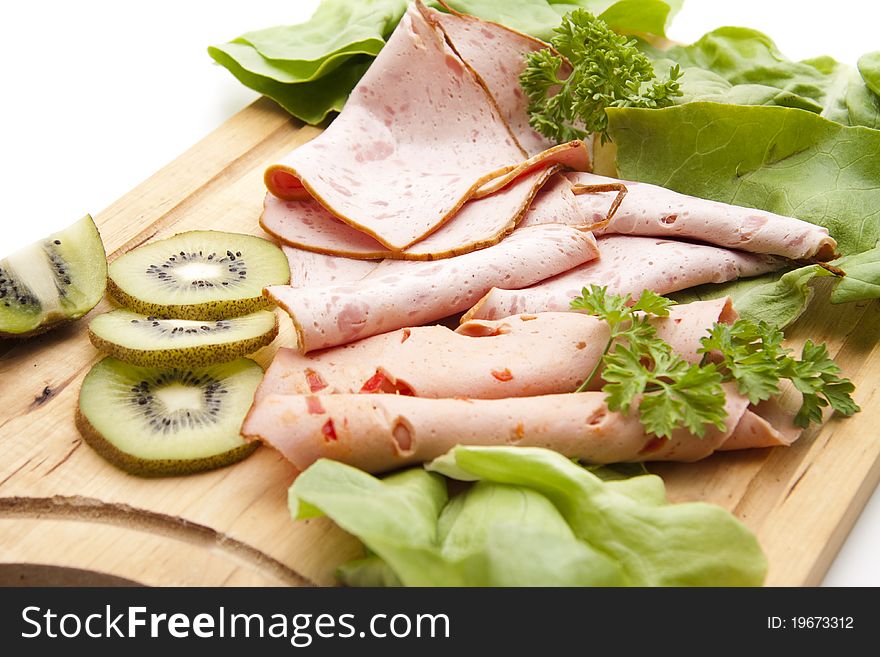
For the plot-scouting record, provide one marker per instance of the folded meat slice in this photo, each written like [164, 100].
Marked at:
[309, 269]
[497, 55]
[306, 224]
[378, 433]
[571, 155]
[766, 424]
[628, 265]
[480, 223]
[421, 292]
[654, 211]
[555, 204]
[418, 122]
[484, 221]
[518, 356]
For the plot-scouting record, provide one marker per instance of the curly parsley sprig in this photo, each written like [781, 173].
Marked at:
[637, 364]
[591, 69]
[672, 393]
[752, 355]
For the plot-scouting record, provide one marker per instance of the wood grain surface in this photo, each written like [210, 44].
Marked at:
[65, 510]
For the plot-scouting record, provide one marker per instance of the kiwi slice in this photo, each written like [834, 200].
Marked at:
[198, 275]
[52, 281]
[155, 422]
[152, 342]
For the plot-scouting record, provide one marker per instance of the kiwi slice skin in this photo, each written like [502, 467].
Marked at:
[155, 468]
[111, 334]
[198, 275]
[52, 281]
[121, 416]
[194, 311]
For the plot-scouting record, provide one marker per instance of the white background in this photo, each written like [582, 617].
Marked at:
[98, 95]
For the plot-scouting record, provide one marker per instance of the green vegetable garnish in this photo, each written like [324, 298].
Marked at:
[534, 518]
[742, 66]
[673, 393]
[782, 160]
[310, 68]
[639, 365]
[751, 354]
[754, 357]
[593, 68]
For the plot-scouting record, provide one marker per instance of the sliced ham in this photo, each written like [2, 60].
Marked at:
[554, 204]
[419, 123]
[571, 155]
[419, 136]
[309, 269]
[628, 265]
[306, 224]
[497, 55]
[548, 353]
[378, 433]
[480, 223]
[409, 396]
[654, 211]
[483, 222]
[515, 357]
[422, 292]
[767, 424]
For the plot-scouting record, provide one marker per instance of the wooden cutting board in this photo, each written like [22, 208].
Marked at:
[68, 516]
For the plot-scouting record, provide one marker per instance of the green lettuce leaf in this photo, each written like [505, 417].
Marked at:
[862, 280]
[779, 159]
[777, 298]
[524, 556]
[494, 532]
[540, 17]
[869, 67]
[310, 102]
[700, 85]
[396, 518]
[487, 536]
[311, 68]
[738, 65]
[655, 544]
[337, 30]
[534, 518]
[369, 572]
[515, 556]
[647, 17]
[534, 17]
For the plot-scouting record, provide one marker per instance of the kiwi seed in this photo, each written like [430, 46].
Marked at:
[52, 281]
[158, 422]
[153, 342]
[198, 275]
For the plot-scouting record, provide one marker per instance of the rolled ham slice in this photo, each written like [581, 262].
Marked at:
[480, 223]
[423, 292]
[309, 269]
[378, 433]
[528, 355]
[768, 424]
[629, 265]
[649, 210]
[497, 56]
[518, 356]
